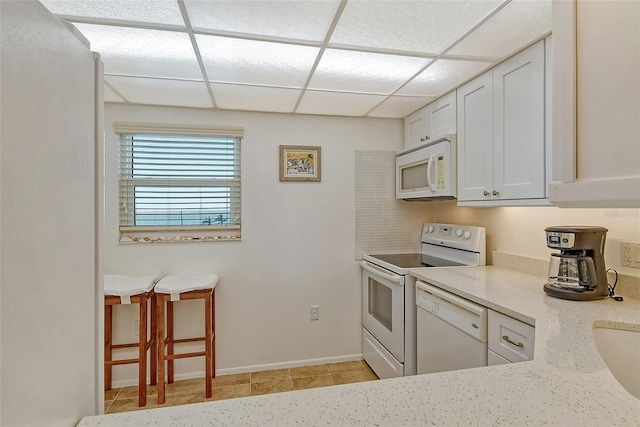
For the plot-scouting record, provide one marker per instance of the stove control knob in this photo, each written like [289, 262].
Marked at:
[467, 234]
[459, 232]
[430, 229]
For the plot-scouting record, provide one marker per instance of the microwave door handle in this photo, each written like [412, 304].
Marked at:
[378, 271]
[431, 185]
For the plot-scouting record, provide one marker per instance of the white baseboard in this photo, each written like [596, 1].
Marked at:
[251, 368]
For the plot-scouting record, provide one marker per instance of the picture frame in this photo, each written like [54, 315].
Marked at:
[300, 163]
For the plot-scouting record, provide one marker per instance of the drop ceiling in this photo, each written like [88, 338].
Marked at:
[370, 58]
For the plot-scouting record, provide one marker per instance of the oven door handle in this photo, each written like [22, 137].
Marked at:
[380, 272]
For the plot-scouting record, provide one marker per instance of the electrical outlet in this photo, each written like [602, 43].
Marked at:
[136, 328]
[630, 254]
[314, 312]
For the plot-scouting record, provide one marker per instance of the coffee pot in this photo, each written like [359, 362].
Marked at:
[578, 272]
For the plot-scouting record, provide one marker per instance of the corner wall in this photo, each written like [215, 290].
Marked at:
[47, 250]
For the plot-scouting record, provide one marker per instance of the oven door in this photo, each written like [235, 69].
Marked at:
[383, 307]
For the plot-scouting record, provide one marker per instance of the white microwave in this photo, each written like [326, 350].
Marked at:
[428, 172]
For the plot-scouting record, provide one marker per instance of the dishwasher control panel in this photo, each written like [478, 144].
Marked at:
[429, 304]
[467, 316]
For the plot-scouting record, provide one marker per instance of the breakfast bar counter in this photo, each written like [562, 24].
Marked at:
[567, 383]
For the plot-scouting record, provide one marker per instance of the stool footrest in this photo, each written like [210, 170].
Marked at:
[116, 346]
[184, 355]
[121, 362]
[185, 340]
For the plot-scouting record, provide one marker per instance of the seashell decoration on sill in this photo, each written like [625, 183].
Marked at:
[126, 239]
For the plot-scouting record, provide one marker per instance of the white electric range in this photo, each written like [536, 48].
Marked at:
[388, 293]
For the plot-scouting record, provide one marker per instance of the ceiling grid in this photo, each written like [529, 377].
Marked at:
[196, 50]
[382, 58]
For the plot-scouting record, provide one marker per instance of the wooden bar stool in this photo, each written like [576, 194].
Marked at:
[120, 289]
[167, 291]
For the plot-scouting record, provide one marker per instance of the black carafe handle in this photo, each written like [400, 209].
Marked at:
[587, 272]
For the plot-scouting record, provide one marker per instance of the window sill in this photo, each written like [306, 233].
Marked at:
[131, 237]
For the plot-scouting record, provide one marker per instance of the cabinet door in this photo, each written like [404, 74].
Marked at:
[603, 148]
[417, 127]
[518, 103]
[475, 138]
[443, 115]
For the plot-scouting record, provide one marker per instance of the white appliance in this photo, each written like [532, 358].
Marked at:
[388, 293]
[428, 172]
[451, 331]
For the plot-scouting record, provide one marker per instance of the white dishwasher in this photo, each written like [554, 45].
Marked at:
[451, 331]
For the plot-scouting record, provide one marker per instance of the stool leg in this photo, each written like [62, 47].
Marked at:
[108, 352]
[213, 331]
[160, 344]
[208, 343]
[153, 352]
[142, 353]
[169, 341]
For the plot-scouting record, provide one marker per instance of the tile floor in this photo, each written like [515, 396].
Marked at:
[242, 385]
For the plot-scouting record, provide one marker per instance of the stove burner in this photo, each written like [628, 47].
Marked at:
[414, 260]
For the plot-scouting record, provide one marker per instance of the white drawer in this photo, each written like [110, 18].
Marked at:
[510, 338]
[379, 359]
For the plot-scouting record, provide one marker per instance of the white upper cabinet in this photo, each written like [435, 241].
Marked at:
[416, 129]
[518, 124]
[501, 133]
[430, 122]
[596, 104]
[475, 138]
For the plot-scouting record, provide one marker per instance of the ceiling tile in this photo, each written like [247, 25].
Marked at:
[255, 98]
[400, 106]
[141, 52]
[418, 26]
[161, 91]
[522, 20]
[441, 76]
[364, 72]
[337, 103]
[163, 11]
[255, 62]
[110, 95]
[304, 20]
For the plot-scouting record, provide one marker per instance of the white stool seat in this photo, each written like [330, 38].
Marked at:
[176, 285]
[127, 286]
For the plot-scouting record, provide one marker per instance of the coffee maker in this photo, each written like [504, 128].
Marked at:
[578, 271]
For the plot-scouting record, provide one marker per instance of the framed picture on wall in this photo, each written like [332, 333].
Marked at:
[299, 163]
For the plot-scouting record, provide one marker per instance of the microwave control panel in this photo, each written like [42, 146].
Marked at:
[441, 172]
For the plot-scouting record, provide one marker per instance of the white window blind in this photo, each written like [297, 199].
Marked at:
[188, 181]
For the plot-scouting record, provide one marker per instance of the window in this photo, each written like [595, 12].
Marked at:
[179, 183]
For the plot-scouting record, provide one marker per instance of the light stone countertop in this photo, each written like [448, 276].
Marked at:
[567, 383]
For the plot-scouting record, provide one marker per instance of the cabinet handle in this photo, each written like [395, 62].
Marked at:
[486, 193]
[517, 344]
[425, 138]
[496, 193]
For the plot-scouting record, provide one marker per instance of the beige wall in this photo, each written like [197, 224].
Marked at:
[297, 246]
[520, 231]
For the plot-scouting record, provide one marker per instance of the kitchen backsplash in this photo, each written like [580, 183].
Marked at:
[383, 223]
[628, 286]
